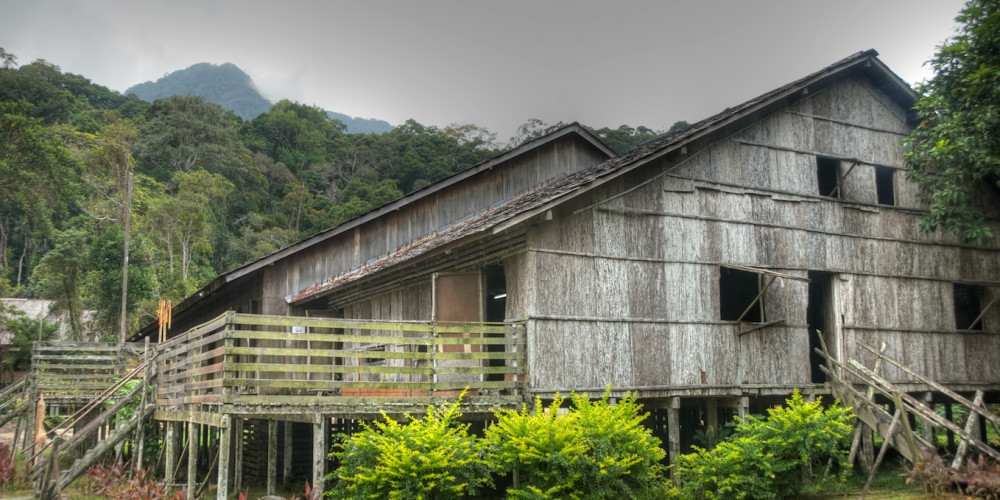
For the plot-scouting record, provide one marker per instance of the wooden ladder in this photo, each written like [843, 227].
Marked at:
[895, 428]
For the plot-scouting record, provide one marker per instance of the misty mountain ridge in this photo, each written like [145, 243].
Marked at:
[230, 87]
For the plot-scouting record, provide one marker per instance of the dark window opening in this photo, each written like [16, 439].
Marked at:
[828, 176]
[820, 319]
[496, 311]
[884, 185]
[737, 290]
[967, 307]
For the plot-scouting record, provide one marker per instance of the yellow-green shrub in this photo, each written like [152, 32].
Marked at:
[769, 458]
[595, 450]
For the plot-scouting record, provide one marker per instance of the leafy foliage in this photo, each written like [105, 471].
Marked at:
[769, 458]
[7, 465]
[26, 330]
[431, 458]
[956, 147]
[981, 478]
[115, 482]
[211, 192]
[595, 450]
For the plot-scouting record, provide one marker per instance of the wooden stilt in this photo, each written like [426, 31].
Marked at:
[237, 454]
[286, 469]
[194, 435]
[272, 456]
[949, 417]
[321, 433]
[744, 407]
[170, 448]
[674, 435]
[712, 421]
[927, 428]
[225, 455]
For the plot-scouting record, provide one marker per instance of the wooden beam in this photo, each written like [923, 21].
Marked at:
[225, 452]
[321, 434]
[194, 443]
[286, 469]
[170, 445]
[237, 454]
[674, 435]
[272, 456]
[938, 387]
[970, 428]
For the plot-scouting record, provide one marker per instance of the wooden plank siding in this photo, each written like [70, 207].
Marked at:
[425, 216]
[624, 289]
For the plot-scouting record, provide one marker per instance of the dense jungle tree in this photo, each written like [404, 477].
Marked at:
[956, 148]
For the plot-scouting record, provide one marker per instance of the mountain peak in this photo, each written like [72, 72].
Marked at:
[232, 88]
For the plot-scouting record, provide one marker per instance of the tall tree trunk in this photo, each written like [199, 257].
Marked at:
[20, 261]
[127, 218]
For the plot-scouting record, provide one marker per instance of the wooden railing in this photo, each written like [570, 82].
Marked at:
[257, 360]
[76, 372]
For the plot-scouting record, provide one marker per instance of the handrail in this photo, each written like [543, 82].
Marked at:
[94, 403]
[264, 358]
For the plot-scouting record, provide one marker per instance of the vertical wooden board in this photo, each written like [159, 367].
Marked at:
[518, 275]
[687, 354]
[651, 354]
[979, 357]
[648, 293]
[614, 341]
[547, 355]
[611, 288]
[754, 165]
[684, 239]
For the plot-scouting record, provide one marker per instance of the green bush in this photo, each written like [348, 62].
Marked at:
[595, 450]
[429, 458]
[769, 458]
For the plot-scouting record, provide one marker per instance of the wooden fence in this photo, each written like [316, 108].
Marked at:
[254, 361]
[76, 372]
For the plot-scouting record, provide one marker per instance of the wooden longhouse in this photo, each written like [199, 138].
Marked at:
[698, 271]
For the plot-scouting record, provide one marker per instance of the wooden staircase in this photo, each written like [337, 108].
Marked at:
[845, 380]
[47, 479]
[11, 402]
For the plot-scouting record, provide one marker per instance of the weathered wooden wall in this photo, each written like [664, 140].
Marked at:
[424, 216]
[625, 290]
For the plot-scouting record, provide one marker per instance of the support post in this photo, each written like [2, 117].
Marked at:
[225, 454]
[926, 426]
[170, 452]
[674, 435]
[286, 468]
[744, 408]
[237, 454]
[272, 456]
[712, 421]
[194, 432]
[970, 430]
[321, 433]
[867, 455]
[949, 417]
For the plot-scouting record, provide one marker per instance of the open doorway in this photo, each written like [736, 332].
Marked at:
[820, 317]
[495, 285]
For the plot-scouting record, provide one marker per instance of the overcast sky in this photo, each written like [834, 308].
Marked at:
[495, 64]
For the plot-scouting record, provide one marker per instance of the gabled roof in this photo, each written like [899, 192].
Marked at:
[557, 191]
[573, 129]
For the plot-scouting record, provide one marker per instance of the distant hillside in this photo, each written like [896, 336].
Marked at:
[226, 85]
[230, 87]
